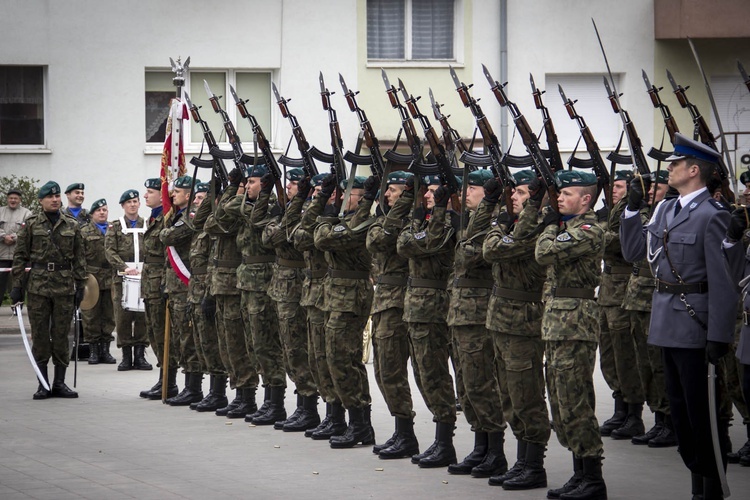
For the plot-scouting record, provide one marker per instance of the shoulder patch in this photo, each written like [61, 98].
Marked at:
[564, 236]
[586, 227]
[507, 240]
[179, 223]
[338, 228]
[420, 235]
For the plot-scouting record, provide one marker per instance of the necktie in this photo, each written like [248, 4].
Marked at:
[677, 208]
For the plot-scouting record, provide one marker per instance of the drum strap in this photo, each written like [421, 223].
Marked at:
[135, 231]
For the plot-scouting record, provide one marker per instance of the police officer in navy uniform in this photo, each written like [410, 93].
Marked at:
[694, 302]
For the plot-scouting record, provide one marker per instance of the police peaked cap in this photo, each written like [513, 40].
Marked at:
[49, 188]
[684, 147]
[97, 205]
[623, 175]
[479, 177]
[74, 186]
[572, 178]
[295, 174]
[154, 183]
[130, 194]
[399, 177]
[184, 182]
[359, 182]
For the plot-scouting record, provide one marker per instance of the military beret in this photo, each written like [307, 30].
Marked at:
[431, 180]
[75, 185]
[572, 178]
[49, 188]
[479, 177]
[524, 177]
[359, 182]
[684, 147]
[201, 187]
[295, 174]
[128, 195]
[13, 191]
[662, 178]
[744, 177]
[258, 170]
[398, 177]
[317, 180]
[97, 205]
[623, 175]
[154, 183]
[184, 182]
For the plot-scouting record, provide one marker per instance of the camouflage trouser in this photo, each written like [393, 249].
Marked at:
[732, 371]
[520, 368]
[262, 333]
[182, 331]
[293, 333]
[430, 347]
[650, 364]
[240, 360]
[155, 316]
[316, 341]
[99, 322]
[570, 384]
[623, 348]
[207, 342]
[391, 351]
[481, 398]
[343, 339]
[50, 318]
[130, 325]
[607, 356]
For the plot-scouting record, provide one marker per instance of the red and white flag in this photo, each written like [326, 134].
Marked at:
[172, 156]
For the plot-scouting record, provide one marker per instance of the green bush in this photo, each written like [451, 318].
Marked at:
[28, 187]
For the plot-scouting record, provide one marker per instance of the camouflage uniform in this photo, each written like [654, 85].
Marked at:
[569, 327]
[98, 322]
[119, 249]
[82, 218]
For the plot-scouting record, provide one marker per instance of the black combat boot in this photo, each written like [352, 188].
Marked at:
[734, 458]
[59, 389]
[323, 423]
[263, 408]
[592, 485]
[247, 404]
[696, 486]
[291, 418]
[104, 355]
[444, 454]
[572, 483]
[533, 474]
[617, 419]
[515, 470]
[633, 425]
[494, 462]
[139, 358]
[380, 447]
[193, 392]
[172, 389]
[308, 419]
[217, 397]
[94, 353]
[472, 459]
[222, 412]
[666, 437]
[210, 394]
[155, 388]
[127, 359]
[406, 443]
[712, 489]
[41, 392]
[185, 389]
[276, 410]
[336, 426]
[652, 432]
[359, 430]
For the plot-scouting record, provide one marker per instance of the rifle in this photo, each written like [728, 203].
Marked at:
[376, 161]
[555, 160]
[217, 164]
[241, 160]
[669, 122]
[264, 146]
[595, 162]
[306, 162]
[541, 164]
[451, 137]
[636, 158]
[337, 143]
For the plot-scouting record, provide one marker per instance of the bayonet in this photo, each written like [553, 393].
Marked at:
[745, 78]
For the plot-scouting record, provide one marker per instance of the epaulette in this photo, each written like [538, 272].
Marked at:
[718, 205]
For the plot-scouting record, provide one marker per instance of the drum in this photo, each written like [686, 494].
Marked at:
[131, 294]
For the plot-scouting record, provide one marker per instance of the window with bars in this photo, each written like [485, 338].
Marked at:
[22, 106]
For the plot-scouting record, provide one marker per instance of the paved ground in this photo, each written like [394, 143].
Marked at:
[110, 444]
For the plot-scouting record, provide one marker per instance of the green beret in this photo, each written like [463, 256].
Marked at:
[201, 187]
[573, 178]
[524, 177]
[75, 185]
[317, 180]
[479, 177]
[184, 182]
[623, 175]
[258, 170]
[154, 183]
[431, 180]
[744, 177]
[97, 205]
[128, 195]
[295, 174]
[398, 177]
[359, 182]
[50, 188]
[662, 178]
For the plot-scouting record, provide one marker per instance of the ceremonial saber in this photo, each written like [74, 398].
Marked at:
[715, 429]
[18, 307]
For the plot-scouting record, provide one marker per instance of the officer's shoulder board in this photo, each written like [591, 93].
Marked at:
[717, 204]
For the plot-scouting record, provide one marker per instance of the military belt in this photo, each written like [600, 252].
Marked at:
[617, 269]
[642, 271]
[680, 288]
[199, 270]
[424, 283]
[507, 293]
[472, 283]
[299, 264]
[315, 274]
[258, 259]
[391, 279]
[150, 259]
[96, 268]
[50, 266]
[350, 275]
[226, 263]
[573, 293]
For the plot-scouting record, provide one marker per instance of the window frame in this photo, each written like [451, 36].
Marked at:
[42, 148]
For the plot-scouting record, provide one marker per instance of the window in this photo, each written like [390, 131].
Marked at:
[254, 87]
[22, 106]
[733, 103]
[411, 30]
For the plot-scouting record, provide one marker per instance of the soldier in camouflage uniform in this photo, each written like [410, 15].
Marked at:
[347, 298]
[120, 248]
[570, 247]
[50, 243]
[514, 318]
[99, 321]
[152, 281]
[286, 289]
[224, 301]
[428, 242]
[75, 196]
[390, 335]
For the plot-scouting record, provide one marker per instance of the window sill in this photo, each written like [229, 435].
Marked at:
[24, 150]
[387, 63]
[157, 149]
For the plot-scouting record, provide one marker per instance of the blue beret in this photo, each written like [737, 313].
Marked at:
[154, 183]
[295, 174]
[128, 195]
[317, 180]
[479, 177]
[49, 188]
[74, 186]
[623, 175]
[359, 182]
[684, 147]
[398, 177]
[201, 187]
[184, 182]
[524, 177]
[97, 204]
[575, 178]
